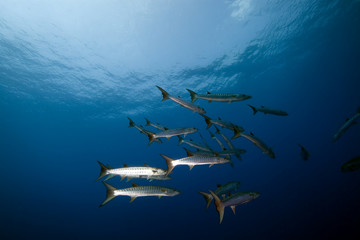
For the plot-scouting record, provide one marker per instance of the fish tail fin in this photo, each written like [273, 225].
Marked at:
[110, 193]
[208, 198]
[236, 132]
[164, 93]
[217, 130]
[148, 123]
[150, 136]
[181, 140]
[193, 95]
[207, 120]
[253, 108]
[169, 163]
[219, 206]
[103, 170]
[131, 122]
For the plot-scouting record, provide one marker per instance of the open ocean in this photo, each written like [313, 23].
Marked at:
[72, 72]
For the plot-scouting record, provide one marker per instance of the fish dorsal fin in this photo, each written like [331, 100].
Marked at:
[218, 185]
[125, 165]
[146, 165]
[134, 185]
[208, 92]
[252, 134]
[189, 154]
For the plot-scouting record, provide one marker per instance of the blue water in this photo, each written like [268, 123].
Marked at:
[71, 72]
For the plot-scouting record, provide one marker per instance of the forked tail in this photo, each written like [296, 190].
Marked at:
[193, 95]
[131, 122]
[169, 163]
[103, 170]
[219, 206]
[208, 198]
[207, 120]
[253, 108]
[164, 93]
[110, 193]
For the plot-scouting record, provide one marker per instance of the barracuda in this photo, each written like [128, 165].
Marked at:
[222, 190]
[237, 151]
[130, 172]
[183, 103]
[218, 97]
[233, 201]
[194, 159]
[209, 121]
[266, 110]
[194, 144]
[155, 125]
[142, 130]
[170, 133]
[260, 144]
[138, 191]
[346, 126]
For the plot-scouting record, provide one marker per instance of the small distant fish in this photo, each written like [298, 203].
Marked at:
[304, 153]
[224, 124]
[138, 191]
[183, 103]
[260, 144]
[222, 190]
[155, 125]
[193, 159]
[130, 172]
[352, 165]
[170, 133]
[266, 110]
[142, 130]
[233, 201]
[219, 97]
[349, 122]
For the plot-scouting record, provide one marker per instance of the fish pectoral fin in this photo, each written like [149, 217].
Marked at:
[233, 209]
[191, 166]
[164, 191]
[122, 178]
[211, 165]
[210, 101]
[168, 138]
[159, 197]
[132, 199]
[128, 179]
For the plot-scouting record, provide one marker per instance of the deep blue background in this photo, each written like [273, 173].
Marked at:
[52, 134]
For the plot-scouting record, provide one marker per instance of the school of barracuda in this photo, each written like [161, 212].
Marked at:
[226, 195]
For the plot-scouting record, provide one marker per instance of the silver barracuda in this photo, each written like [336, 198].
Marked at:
[180, 101]
[218, 97]
[232, 201]
[222, 190]
[194, 159]
[209, 121]
[260, 144]
[194, 144]
[130, 172]
[138, 191]
[170, 133]
[155, 125]
[304, 152]
[266, 110]
[142, 130]
[349, 122]
[352, 165]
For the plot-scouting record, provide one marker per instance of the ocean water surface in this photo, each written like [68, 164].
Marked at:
[71, 72]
